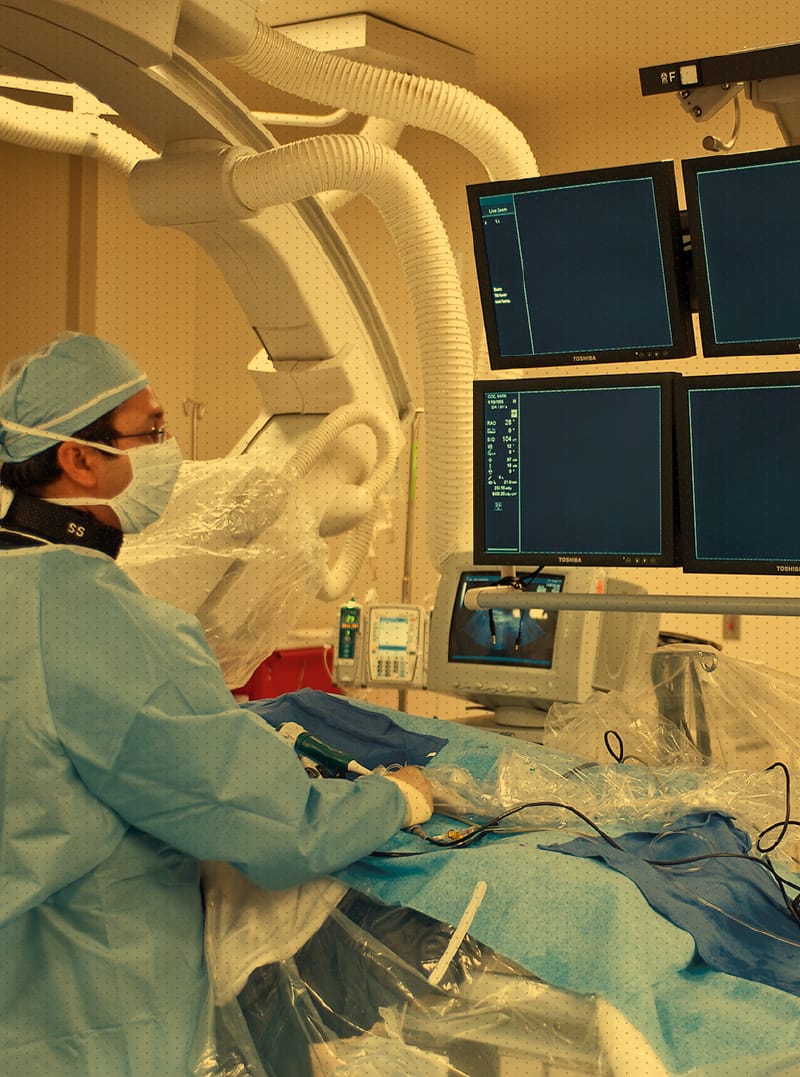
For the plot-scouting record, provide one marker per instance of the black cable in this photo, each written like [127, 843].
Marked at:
[526, 580]
[618, 752]
[511, 581]
[765, 863]
[787, 821]
[468, 837]
[519, 583]
[472, 835]
[618, 755]
[793, 904]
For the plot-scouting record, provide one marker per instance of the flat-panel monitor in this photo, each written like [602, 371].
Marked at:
[744, 226]
[574, 471]
[739, 458]
[582, 267]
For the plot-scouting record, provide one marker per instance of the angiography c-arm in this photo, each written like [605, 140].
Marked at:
[204, 163]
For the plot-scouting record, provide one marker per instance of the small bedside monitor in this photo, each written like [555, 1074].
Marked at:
[517, 662]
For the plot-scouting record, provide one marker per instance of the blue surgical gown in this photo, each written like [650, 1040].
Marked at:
[124, 761]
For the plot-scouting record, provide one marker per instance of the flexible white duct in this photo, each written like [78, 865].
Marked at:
[331, 162]
[38, 128]
[431, 104]
[352, 502]
[386, 131]
[502, 149]
[338, 579]
[332, 427]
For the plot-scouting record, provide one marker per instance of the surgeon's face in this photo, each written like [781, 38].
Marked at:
[139, 421]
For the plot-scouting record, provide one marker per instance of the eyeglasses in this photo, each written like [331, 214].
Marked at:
[155, 436]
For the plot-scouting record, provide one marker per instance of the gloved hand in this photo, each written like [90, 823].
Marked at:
[416, 788]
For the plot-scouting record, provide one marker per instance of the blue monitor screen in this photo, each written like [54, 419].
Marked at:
[503, 637]
[745, 234]
[739, 459]
[574, 471]
[582, 267]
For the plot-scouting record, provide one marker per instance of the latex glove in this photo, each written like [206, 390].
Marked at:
[417, 790]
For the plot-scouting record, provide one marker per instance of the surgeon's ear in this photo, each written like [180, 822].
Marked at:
[81, 463]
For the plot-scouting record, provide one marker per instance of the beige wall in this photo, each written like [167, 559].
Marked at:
[35, 192]
[155, 293]
[77, 257]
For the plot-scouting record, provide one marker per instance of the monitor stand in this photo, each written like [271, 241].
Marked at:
[527, 723]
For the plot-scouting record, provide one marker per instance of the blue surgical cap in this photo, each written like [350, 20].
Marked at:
[73, 381]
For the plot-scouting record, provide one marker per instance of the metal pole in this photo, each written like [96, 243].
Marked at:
[411, 505]
[509, 598]
[196, 410]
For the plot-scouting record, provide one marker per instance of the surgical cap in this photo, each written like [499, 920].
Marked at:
[73, 381]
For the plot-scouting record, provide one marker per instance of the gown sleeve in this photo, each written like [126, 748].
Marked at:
[142, 710]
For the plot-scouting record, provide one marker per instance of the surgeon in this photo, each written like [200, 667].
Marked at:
[124, 760]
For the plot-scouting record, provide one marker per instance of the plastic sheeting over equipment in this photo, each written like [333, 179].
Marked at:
[700, 707]
[357, 999]
[578, 926]
[236, 547]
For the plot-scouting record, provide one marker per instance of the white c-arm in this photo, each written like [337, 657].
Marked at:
[335, 398]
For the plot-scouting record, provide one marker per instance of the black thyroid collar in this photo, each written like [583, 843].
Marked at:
[61, 524]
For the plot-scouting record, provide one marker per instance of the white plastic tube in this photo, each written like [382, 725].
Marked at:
[332, 427]
[338, 578]
[422, 102]
[301, 119]
[460, 932]
[350, 162]
[38, 128]
[387, 132]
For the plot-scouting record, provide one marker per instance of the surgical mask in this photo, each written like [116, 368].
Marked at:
[155, 472]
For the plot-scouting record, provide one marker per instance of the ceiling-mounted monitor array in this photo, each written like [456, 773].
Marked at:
[738, 461]
[582, 268]
[574, 471]
[592, 267]
[744, 225]
[639, 471]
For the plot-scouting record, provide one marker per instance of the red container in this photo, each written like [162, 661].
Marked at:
[286, 671]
